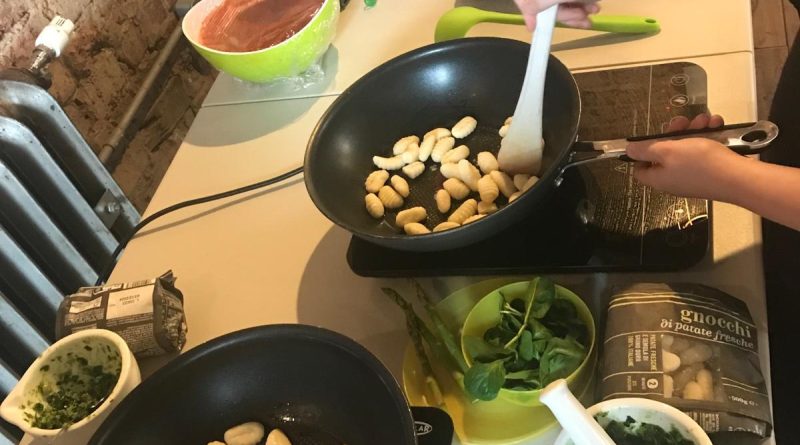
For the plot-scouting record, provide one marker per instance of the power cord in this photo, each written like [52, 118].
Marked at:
[103, 277]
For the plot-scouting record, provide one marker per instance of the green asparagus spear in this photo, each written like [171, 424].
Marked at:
[441, 328]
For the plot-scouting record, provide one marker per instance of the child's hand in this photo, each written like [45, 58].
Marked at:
[694, 167]
[573, 13]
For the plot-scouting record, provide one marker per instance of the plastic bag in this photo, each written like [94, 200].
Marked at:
[691, 346]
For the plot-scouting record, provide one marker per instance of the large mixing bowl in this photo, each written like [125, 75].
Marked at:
[302, 379]
[286, 59]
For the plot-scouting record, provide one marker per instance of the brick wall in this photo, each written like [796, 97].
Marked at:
[112, 47]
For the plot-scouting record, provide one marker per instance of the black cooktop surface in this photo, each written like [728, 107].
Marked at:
[600, 219]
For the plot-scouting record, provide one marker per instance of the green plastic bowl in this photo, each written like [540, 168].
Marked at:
[286, 59]
[486, 315]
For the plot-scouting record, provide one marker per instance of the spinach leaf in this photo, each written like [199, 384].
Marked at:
[525, 348]
[518, 305]
[483, 380]
[498, 336]
[482, 351]
[560, 359]
[511, 323]
[525, 380]
[563, 320]
[525, 374]
[543, 296]
[540, 331]
[539, 346]
[522, 385]
[516, 363]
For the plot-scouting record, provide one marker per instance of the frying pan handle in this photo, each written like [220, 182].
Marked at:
[745, 139]
[455, 23]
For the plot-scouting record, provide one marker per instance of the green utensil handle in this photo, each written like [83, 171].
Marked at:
[455, 23]
[624, 24]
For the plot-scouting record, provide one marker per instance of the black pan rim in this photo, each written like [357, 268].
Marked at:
[260, 333]
[401, 240]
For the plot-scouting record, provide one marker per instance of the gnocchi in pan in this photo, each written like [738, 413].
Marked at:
[488, 190]
[375, 180]
[447, 225]
[450, 171]
[504, 183]
[402, 145]
[252, 433]
[476, 181]
[249, 433]
[412, 215]
[416, 229]
[486, 208]
[487, 162]
[400, 186]
[464, 211]
[464, 127]
[374, 206]
[456, 154]
[443, 200]
[411, 154]
[390, 198]
[469, 174]
[457, 189]
[438, 133]
[441, 148]
[393, 163]
[426, 147]
[414, 169]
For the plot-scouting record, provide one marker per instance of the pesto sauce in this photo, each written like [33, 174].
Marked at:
[73, 393]
[631, 432]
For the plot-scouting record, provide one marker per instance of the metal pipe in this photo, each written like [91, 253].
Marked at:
[112, 151]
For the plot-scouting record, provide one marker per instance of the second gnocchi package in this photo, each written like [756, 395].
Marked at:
[691, 346]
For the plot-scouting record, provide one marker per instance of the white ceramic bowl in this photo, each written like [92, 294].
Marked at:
[648, 411]
[80, 432]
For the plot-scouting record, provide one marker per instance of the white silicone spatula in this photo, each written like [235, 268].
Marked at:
[521, 149]
[581, 427]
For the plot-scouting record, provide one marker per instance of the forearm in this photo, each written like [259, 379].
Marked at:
[770, 190]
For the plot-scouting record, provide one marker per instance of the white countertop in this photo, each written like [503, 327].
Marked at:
[368, 37]
[270, 257]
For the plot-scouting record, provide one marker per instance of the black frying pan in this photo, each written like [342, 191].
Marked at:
[435, 86]
[318, 386]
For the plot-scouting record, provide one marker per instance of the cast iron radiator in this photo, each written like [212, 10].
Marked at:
[61, 217]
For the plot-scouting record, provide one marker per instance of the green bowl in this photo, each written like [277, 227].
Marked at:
[286, 59]
[485, 315]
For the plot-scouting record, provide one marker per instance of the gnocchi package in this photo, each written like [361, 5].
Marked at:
[691, 346]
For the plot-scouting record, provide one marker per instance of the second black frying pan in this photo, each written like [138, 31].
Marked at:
[435, 86]
[319, 387]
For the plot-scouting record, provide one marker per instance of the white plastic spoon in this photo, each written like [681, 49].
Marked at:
[581, 427]
[521, 149]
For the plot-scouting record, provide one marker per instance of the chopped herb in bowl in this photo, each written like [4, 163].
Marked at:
[631, 432]
[72, 386]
